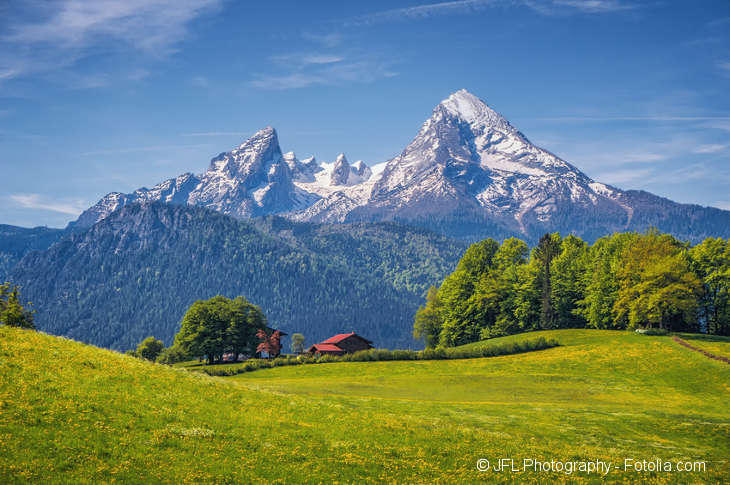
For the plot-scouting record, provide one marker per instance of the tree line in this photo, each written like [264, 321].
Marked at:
[622, 281]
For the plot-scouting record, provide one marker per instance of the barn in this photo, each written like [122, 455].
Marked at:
[344, 343]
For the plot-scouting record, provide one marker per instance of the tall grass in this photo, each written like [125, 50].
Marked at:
[375, 355]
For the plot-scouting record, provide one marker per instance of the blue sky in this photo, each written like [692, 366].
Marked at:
[110, 96]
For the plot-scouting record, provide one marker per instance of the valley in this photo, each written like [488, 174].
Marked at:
[89, 415]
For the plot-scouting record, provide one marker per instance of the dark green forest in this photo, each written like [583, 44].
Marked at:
[15, 242]
[135, 273]
[622, 281]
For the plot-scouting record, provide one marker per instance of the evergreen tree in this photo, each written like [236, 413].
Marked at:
[12, 312]
[547, 249]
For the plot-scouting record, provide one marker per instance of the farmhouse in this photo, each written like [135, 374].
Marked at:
[344, 343]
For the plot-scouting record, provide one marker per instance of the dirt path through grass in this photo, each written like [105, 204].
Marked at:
[704, 352]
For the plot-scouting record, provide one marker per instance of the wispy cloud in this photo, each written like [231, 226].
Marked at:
[692, 173]
[724, 67]
[323, 66]
[38, 201]
[544, 7]
[306, 59]
[216, 133]
[329, 40]
[632, 118]
[624, 176]
[357, 71]
[718, 125]
[594, 6]
[722, 204]
[67, 31]
[140, 149]
[711, 148]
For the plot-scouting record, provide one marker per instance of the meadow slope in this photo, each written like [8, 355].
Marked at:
[72, 413]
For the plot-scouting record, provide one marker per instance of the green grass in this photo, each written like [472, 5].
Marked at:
[71, 413]
[713, 344]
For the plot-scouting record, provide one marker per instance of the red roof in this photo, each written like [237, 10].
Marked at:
[339, 338]
[323, 347]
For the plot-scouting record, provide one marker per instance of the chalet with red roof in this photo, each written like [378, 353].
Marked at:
[344, 343]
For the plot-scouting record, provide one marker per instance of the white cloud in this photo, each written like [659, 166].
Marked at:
[321, 59]
[544, 7]
[306, 59]
[200, 81]
[722, 204]
[634, 118]
[216, 133]
[287, 81]
[139, 149]
[300, 70]
[718, 125]
[711, 148]
[329, 40]
[618, 177]
[38, 201]
[152, 25]
[69, 30]
[595, 6]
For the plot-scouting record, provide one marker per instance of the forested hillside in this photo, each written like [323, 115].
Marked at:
[135, 273]
[626, 280]
[15, 242]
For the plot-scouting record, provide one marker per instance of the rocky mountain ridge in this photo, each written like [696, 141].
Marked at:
[468, 173]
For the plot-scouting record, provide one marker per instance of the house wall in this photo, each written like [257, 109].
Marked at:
[353, 344]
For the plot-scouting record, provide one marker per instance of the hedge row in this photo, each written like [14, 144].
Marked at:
[373, 355]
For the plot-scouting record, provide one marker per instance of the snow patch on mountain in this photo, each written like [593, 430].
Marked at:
[466, 167]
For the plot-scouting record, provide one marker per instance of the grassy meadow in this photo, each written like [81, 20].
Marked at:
[714, 344]
[72, 413]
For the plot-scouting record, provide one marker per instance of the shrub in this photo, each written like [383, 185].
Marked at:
[172, 355]
[373, 355]
[652, 331]
[326, 358]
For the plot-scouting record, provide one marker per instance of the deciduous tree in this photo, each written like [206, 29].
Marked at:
[297, 343]
[219, 325]
[150, 348]
[270, 342]
[656, 285]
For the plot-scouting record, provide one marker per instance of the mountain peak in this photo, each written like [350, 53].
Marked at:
[341, 171]
[264, 136]
[469, 108]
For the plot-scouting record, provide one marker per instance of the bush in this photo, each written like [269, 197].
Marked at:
[373, 355]
[326, 358]
[172, 355]
[652, 331]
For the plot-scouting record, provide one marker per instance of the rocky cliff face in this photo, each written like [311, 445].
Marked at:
[468, 173]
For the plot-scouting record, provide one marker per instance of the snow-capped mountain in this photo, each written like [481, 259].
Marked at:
[468, 173]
